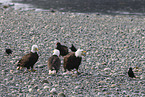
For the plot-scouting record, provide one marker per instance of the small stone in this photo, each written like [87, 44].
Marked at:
[107, 69]
[3, 72]
[38, 90]
[104, 63]
[61, 95]
[33, 80]
[77, 87]
[46, 87]
[53, 91]
[5, 6]
[108, 79]
[20, 91]
[137, 91]
[104, 89]
[11, 4]
[101, 82]
[142, 76]
[11, 71]
[113, 85]
[30, 90]
[29, 86]
[36, 87]
[45, 84]
[44, 81]
[96, 51]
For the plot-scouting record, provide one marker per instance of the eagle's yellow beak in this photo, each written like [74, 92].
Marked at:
[84, 53]
[136, 67]
[37, 49]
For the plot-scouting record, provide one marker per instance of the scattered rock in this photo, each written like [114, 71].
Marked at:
[5, 6]
[61, 94]
[36, 87]
[53, 91]
[44, 81]
[30, 90]
[11, 71]
[107, 69]
[113, 85]
[46, 87]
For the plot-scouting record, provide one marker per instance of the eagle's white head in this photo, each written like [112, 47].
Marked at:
[80, 52]
[56, 52]
[34, 48]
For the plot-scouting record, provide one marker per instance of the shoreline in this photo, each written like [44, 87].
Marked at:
[27, 7]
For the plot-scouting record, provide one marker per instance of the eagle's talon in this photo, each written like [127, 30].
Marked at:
[29, 70]
[19, 68]
[34, 70]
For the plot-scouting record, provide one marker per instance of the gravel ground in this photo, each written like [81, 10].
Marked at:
[113, 44]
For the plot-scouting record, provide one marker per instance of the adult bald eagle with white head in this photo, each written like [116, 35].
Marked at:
[54, 62]
[29, 59]
[73, 60]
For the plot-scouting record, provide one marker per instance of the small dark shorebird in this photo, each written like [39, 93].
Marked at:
[8, 51]
[130, 73]
[73, 49]
[62, 48]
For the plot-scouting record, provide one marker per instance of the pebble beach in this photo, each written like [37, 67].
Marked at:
[113, 44]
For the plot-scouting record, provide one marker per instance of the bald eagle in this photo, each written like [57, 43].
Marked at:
[54, 62]
[29, 59]
[130, 73]
[62, 48]
[73, 60]
[73, 49]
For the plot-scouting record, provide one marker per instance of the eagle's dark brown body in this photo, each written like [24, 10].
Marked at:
[28, 60]
[71, 61]
[62, 48]
[54, 63]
